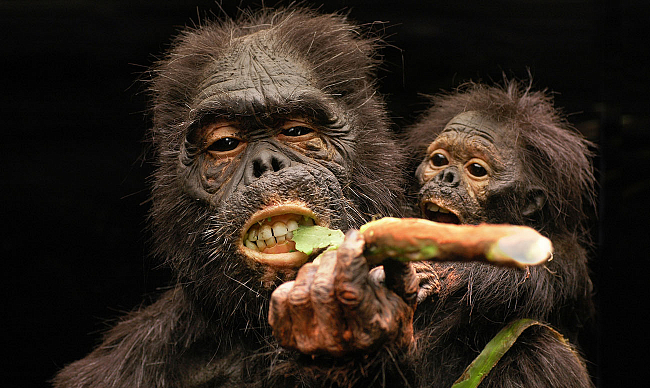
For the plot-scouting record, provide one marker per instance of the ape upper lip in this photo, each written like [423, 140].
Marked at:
[288, 259]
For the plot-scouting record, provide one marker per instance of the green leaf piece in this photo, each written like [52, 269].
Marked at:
[308, 238]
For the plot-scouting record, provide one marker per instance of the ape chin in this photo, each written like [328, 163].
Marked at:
[493, 154]
[260, 124]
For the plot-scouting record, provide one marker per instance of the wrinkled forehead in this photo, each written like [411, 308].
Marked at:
[474, 123]
[252, 74]
[476, 133]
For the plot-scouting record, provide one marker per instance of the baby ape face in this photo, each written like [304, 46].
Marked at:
[470, 162]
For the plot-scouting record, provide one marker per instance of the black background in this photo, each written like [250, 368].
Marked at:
[74, 170]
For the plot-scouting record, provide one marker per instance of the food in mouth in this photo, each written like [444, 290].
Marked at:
[274, 235]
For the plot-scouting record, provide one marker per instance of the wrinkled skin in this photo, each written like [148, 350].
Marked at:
[337, 307]
[260, 124]
[469, 163]
[504, 155]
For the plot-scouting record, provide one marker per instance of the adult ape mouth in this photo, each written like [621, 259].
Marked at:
[267, 235]
[435, 212]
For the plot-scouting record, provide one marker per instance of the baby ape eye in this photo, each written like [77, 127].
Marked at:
[297, 130]
[477, 170]
[439, 160]
[224, 144]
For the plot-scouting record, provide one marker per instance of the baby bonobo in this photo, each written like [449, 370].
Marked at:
[504, 155]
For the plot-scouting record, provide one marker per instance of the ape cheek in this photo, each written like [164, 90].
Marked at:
[318, 149]
[328, 156]
[478, 190]
[425, 172]
[212, 170]
[204, 176]
[314, 145]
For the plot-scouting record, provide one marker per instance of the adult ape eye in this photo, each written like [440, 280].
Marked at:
[224, 144]
[296, 131]
[439, 160]
[477, 170]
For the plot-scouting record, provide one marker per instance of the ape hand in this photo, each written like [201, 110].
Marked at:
[337, 306]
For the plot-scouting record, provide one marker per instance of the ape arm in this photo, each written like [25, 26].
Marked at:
[463, 305]
[337, 307]
[554, 292]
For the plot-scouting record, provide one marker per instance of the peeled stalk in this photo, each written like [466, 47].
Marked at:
[414, 239]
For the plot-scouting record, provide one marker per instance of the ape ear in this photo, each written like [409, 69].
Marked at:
[534, 202]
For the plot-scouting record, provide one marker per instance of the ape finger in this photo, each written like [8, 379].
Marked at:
[351, 270]
[327, 314]
[300, 308]
[402, 279]
[279, 315]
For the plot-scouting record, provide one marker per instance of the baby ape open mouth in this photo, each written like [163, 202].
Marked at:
[268, 235]
[437, 213]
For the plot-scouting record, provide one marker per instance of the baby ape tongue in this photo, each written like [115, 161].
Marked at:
[273, 234]
[448, 218]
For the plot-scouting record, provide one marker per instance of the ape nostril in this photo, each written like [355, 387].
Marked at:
[259, 168]
[449, 177]
[266, 161]
[276, 164]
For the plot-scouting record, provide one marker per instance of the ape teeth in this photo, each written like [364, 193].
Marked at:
[433, 207]
[279, 229]
[252, 234]
[292, 225]
[270, 242]
[260, 244]
[265, 232]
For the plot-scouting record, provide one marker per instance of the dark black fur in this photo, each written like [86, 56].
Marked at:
[471, 302]
[211, 328]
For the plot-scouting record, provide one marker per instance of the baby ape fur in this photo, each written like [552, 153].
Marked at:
[462, 306]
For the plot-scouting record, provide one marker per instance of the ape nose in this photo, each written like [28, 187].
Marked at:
[264, 162]
[448, 177]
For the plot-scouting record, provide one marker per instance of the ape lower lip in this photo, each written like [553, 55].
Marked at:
[278, 260]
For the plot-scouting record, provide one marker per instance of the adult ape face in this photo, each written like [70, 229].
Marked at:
[261, 125]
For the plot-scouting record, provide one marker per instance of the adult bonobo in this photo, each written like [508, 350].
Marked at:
[260, 124]
[493, 154]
